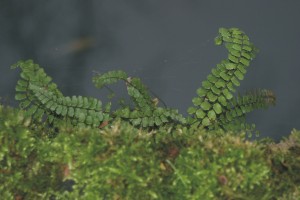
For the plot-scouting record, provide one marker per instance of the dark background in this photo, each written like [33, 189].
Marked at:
[169, 44]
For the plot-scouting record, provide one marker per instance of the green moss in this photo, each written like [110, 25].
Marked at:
[123, 162]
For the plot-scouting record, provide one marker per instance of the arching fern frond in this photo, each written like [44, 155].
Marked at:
[145, 112]
[214, 99]
[41, 98]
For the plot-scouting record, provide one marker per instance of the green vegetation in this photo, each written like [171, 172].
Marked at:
[214, 107]
[58, 147]
[124, 162]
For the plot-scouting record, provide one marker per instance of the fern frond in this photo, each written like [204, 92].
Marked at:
[41, 98]
[139, 94]
[214, 98]
[144, 112]
[35, 75]
[234, 114]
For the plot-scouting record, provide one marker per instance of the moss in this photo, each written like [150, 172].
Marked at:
[123, 162]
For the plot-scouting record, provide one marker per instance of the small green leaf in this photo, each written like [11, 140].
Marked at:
[201, 92]
[50, 118]
[235, 53]
[236, 31]
[20, 88]
[237, 41]
[222, 100]
[247, 48]
[24, 104]
[89, 120]
[215, 72]
[227, 39]
[20, 96]
[86, 102]
[31, 110]
[224, 76]
[230, 66]
[205, 105]
[218, 40]
[239, 75]
[197, 101]
[200, 114]
[224, 32]
[235, 81]
[74, 101]
[237, 47]
[217, 108]
[245, 62]
[70, 111]
[211, 115]
[53, 106]
[145, 122]
[79, 101]
[211, 97]
[49, 104]
[163, 118]
[227, 94]
[206, 121]
[64, 111]
[230, 86]
[206, 84]
[221, 83]
[242, 68]
[246, 55]
[58, 109]
[157, 121]
[245, 38]
[191, 110]
[233, 59]
[67, 101]
[215, 90]
[38, 114]
[136, 122]
[212, 78]
[229, 116]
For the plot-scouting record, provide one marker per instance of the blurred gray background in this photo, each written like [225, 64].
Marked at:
[169, 44]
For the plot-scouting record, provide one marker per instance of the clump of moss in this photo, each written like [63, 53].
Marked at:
[120, 161]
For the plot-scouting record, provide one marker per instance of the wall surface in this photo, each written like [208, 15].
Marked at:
[169, 44]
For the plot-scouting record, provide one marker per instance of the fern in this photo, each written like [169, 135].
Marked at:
[214, 107]
[41, 98]
[145, 112]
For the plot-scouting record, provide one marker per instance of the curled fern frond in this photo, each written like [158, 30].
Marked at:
[32, 74]
[39, 97]
[145, 112]
[214, 99]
